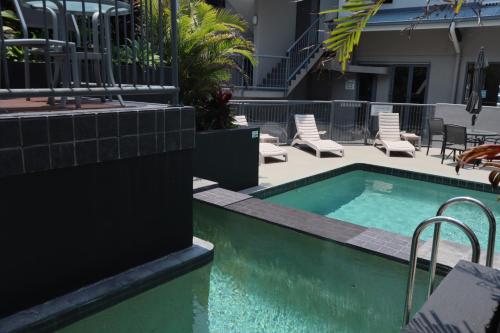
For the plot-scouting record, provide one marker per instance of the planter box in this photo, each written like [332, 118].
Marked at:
[229, 157]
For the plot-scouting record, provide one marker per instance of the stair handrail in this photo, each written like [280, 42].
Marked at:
[437, 230]
[437, 220]
[290, 50]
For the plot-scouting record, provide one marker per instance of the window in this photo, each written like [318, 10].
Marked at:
[409, 84]
[491, 83]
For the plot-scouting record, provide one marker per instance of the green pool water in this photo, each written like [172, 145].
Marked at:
[266, 279]
[391, 203]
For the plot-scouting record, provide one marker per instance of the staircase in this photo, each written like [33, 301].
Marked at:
[278, 75]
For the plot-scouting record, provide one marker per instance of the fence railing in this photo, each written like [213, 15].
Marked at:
[89, 48]
[343, 120]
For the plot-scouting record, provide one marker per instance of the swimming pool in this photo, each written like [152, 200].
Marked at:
[391, 203]
[265, 278]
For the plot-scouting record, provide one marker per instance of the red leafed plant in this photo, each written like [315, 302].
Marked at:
[490, 153]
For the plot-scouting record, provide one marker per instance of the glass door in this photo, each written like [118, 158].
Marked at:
[409, 84]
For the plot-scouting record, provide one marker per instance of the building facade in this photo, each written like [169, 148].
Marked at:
[403, 56]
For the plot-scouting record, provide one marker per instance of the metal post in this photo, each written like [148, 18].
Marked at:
[175, 56]
[437, 220]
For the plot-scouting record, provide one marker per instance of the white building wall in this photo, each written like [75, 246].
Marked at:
[275, 29]
[404, 3]
[429, 47]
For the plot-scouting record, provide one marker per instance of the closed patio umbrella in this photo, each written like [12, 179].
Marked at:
[475, 102]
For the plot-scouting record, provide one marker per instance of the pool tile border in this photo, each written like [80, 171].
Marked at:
[460, 183]
[371, 240]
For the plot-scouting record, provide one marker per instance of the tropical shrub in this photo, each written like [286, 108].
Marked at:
[209, 40]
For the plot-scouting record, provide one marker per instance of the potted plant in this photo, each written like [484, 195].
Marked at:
[225, 153]
[209, 40]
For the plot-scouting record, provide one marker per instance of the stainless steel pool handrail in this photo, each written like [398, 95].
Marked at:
[437, 230]
[476, 251]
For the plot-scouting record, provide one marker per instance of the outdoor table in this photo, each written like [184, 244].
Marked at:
[414, 139]
[76, 7]
[480, 135]
[90, 8]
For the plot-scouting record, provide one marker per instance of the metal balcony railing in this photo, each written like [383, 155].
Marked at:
[89, 48]
[271, 72]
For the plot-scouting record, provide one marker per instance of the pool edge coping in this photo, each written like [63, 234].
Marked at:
[402, 255]
[66, 309]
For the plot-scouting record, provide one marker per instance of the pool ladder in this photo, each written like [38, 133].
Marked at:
[437, 221]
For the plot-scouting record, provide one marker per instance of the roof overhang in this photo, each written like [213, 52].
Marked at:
[333, 66]
[437, 25]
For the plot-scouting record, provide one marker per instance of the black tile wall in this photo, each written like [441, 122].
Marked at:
[160, 121]
[85, 127]
[147, 122]
[11, 161]
[107, 124]
[128, 146]
[172, 141]
[187, 118]
[160, 141]
[9, 133]
[147, 144]
[187, 139]
[34, 131]
[172, 120]
[86, 152]
[60, 129]
[36, 158]
[63, 155]
[127, 123]
[108, 149]
[34, 143]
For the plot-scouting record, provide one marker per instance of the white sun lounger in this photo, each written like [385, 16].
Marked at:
[270, 150]
[242, 121]
[307, 134]
[389, 135]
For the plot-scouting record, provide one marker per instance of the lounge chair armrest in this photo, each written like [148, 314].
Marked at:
[297, 135]
[322, 132]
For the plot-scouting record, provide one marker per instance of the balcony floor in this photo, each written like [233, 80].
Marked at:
[39, 104]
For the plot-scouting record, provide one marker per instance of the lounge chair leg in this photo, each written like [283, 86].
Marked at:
[318, 153]
[388, 153]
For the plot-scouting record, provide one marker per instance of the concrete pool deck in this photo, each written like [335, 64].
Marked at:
[303, 163]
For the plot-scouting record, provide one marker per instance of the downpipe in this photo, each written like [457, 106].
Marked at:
[458, 58]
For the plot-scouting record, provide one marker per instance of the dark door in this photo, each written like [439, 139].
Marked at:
[307, 12]
[366, 88]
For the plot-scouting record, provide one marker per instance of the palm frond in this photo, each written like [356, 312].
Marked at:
[346, 35]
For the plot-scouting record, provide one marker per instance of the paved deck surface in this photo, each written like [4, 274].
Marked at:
[303, 163]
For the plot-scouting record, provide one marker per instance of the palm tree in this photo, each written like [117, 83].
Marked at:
[209, 40]
[347, 32]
